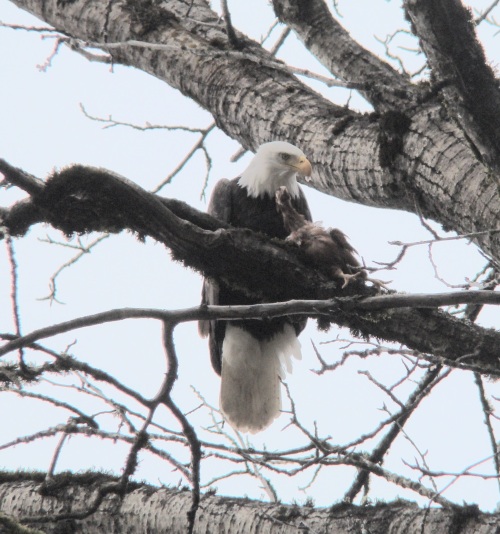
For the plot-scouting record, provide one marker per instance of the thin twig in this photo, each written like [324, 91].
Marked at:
[405, 246]
[14, 293]
[486, 12]
[425, 386]
[200, 144]
[381, 386]
[110, 122]
[231, 34]
[59, 41]
[83, 250]
[312, 308]
[487, 411]
[38, 29]
[187, 428]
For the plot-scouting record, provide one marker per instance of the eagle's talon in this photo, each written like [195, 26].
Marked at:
[347, 278]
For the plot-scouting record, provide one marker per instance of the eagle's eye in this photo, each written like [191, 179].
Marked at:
[284, 156]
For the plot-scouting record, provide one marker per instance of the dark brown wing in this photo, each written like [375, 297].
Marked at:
[230, 203]
[346, 251]
[221, 200]
[220, 208]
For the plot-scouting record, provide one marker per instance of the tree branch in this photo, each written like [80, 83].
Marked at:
[327, 40]
[461, 342]
[187, 428]
[81, 199]
[21, 179]
[447, 35]
[430, 379]
[256, 99]
[162, 510]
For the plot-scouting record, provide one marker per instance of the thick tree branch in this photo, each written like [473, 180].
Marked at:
[447, 35]
[21, 179]
[81, 199]
[462, 343]
[328, 41]
[398, 160]
[147, 509]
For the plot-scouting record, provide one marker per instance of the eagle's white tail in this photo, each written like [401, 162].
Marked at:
[250, 395]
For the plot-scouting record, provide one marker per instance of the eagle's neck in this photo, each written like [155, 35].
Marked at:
[260, 180]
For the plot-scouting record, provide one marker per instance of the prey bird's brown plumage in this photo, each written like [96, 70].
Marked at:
[327, 249]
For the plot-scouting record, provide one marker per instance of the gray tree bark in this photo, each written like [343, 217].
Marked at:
[148, 509]
[432, 149]
[414, 152]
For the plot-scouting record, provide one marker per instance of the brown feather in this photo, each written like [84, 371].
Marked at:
[328, 250]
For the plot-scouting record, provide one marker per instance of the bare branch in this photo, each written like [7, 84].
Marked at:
[52, 296]
[385, 389]
[58, 42]
[404, 482]
[436, 271]
[80, 416]
[476, 344]
[437, 239]
[110, 122]
[425, 386]
[13, 284]
[37, 29]
[343, 57]
[388, 41]
[487, 411]
[50, 471]
[231, 34]
[329, 82]
[455, 476]
[14, 294]
[486, 12]
[281, 40]
[194, 444]
[200, 144]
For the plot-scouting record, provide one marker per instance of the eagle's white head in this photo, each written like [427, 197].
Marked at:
[274, 165]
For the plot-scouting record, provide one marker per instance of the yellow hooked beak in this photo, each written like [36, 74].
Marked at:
[304, 167]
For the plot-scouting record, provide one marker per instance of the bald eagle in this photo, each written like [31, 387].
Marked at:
[251, 355]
